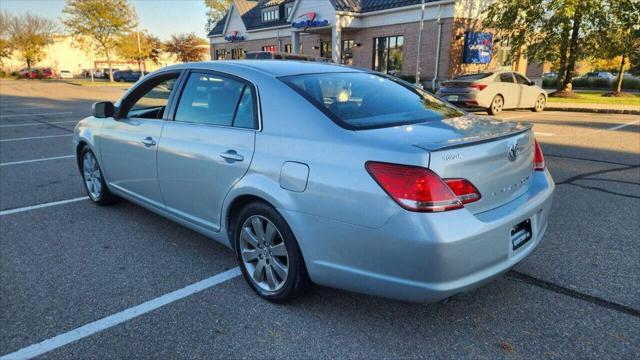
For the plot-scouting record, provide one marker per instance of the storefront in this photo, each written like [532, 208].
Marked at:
[382, 35]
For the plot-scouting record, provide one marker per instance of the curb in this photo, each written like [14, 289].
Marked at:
[598, 111]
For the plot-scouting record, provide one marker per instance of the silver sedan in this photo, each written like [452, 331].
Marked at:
[493, 92]
[316, 173]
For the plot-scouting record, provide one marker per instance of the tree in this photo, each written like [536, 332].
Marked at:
[98, 24]
[556, 31]
[619, 34]
[215, 12]
[6, 47]
[187, 47]
[150, 47]
[28, 35]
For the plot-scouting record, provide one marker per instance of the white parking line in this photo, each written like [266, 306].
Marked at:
[120, 317]
[40, 206]
[35, 137]
[36, 160]
[618, 127]
[40, 114]
[537, 133]
[40, 123]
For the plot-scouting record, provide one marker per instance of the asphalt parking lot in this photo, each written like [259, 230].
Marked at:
[74, 276]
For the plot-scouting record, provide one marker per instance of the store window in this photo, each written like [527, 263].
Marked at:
[237, 54]
[270, 48]
[387, 54]
[347, 52]
[325, 49]
[221, 54]
[287, 9]
[270, 14]
[287, 48]
[502, 54]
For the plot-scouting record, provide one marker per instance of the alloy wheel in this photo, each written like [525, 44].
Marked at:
[540, 102]
[92, 175]
[264, 254]
[497, 104]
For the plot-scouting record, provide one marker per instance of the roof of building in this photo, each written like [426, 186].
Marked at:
[251, 10]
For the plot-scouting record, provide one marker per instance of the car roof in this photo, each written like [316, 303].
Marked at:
[271, 67]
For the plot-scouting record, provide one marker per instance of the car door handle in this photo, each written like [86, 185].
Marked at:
[232, 156]
[148, 141]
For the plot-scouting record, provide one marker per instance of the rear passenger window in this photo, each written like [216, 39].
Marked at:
[216, 100]
[506, 77]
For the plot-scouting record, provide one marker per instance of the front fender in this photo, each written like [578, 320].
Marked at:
[86, 132]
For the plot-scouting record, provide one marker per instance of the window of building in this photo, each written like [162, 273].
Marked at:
[325, 49]
[347, 52]
[287, 48]
[270, 14]
[270, 48]
[221, 54]
[216, 100]
[237, 54]
[387, 54]
[287, 9]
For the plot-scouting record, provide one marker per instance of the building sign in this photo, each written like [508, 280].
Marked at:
[309, 20]
[477, 48]
[234, 36]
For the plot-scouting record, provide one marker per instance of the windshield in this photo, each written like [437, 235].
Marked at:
[366, 100]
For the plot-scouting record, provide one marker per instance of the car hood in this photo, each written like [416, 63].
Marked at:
[449, 133]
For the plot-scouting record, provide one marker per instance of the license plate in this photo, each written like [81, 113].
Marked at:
[521, 234]
[452, 98]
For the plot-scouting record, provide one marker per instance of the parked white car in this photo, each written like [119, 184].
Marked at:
[66, 74]
[493, 92]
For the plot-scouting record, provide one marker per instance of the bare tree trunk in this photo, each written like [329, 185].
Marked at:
[110, 67]
[573, 49]
[620, 75]
[566, 31]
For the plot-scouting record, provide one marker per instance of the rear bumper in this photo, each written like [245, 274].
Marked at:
[422, 257]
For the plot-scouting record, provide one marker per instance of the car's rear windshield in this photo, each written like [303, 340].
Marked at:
[477, 76]
[366, 100]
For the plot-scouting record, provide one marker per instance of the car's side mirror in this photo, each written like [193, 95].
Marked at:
[532, 83]
[102, 109]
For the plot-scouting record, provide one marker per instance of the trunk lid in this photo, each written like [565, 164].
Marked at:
[496, 156]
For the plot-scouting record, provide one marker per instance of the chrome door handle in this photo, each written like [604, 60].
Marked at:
[148, 141]
[232, 156]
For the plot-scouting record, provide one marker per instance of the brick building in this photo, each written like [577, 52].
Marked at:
[376, 34]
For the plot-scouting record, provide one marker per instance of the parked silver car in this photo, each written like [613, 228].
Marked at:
[493, 92]
[321, 173]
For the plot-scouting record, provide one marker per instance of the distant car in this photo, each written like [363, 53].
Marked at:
[47, 73]
[268, 55]
[104, 72]
[550, 75]
[126, 75]
[599, 75]
[24, 73]
[493, 92]
[66, 74]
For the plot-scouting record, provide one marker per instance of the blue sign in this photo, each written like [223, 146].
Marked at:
[234, 36]
[309, 21]
[477, 48]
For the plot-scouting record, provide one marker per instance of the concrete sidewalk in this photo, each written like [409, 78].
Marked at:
[594, 108]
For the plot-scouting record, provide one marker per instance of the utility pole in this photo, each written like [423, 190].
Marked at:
[419, 45]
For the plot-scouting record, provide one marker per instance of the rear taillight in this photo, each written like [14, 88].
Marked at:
[538, 157]
[464, 190]
[420, 189]
[480, 87]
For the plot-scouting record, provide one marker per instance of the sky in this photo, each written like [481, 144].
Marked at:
[160, 17]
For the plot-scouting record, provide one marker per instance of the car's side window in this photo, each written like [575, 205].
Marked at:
[152, 100]
[216, 100]
[506, 78]
[520, 79]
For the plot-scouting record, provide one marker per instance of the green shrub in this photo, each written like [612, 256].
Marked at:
[550, 83]
[630, 84]
[601, 83]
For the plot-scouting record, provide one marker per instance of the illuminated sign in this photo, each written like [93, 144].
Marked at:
[309, 21]
[477, 48]
[233, 37]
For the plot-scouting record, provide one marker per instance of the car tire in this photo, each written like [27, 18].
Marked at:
[268, 254]
[121, 80]
[497, 104]
[93, 179]
[541, 103]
